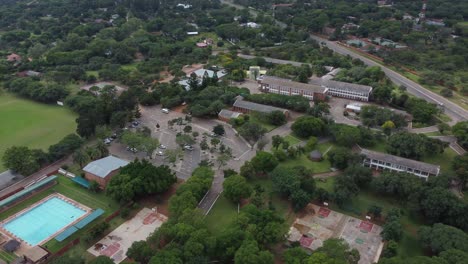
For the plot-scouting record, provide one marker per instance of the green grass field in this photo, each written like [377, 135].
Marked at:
[221, 215]
[72, 190]
[27, 123]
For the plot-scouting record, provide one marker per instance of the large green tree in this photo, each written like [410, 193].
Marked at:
[236, 188]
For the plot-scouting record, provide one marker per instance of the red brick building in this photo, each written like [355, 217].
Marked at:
[102, 170]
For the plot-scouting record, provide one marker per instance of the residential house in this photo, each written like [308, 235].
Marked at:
[28, 74]
[383, 161]
[102, 170]
[271, 84]
[201, 73]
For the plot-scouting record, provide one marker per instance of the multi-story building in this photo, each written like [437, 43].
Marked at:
[383, 161]
[348, 90]
[318, 91]
[270, 84]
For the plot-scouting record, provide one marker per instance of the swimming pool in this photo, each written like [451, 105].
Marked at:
[43, 220]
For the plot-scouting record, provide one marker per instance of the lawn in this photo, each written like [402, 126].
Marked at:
[27, 123]
[256, 118]
[70, 189]
[444, 160]
[224, 211]
[221, 215]
[303, 160]
[292, 140]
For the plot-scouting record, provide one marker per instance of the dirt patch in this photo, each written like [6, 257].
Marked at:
[188, 69]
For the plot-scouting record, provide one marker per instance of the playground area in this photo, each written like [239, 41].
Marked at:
[116, 244]
[320, 223]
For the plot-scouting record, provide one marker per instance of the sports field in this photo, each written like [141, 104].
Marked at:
[27, 123]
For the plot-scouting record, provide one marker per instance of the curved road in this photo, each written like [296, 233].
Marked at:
[455, 112]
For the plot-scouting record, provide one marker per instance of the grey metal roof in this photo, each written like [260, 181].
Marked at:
[348, 86]
[201, 72]
[256, 107]
[418, 165]
[228, 114]
[315, 154]
[102, 167]
[272, 80]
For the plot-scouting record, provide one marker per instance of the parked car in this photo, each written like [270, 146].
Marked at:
[159, 153]
[188, 147]
[134, 150]
[165, 110]
[162, 146]
[107, 141]
[213, 134]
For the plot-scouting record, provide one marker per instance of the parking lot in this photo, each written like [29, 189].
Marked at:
[153, 116]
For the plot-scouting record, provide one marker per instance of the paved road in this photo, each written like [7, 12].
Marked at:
[456, 112]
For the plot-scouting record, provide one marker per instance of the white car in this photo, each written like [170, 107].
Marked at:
[162, 147]
[159, 153]
[188, 147]
[165, 110]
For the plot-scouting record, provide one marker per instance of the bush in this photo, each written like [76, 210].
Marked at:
[125, 212]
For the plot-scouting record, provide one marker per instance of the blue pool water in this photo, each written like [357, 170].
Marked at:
[44, 220]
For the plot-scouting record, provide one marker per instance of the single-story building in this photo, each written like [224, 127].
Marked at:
[102, 170]
[200, 73]
[28, 74]
[240, 105]
[382, 161]
[315, 155]
[226, 115]
[271, 84]
[36, 255]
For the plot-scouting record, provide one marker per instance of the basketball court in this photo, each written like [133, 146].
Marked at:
[321, 223]
[116, 244]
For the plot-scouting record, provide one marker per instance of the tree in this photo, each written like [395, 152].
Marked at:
[222, 160]
[460, 166]
[443, 127]
[183, 140]
[139, 178]
[276, 118]
[21, 159]
[65, 146]
[346, 136]
[460, 131]
[334, 251]
[413, 146]
[392, 230]
[81, 157]
[252, 131]
[264, 162]
[390, 250]
[375, 211]
[306, 126]
[276, 141]
[236, 188]
[140, 251]
[219, 130]
[101, 260]
[249, 253]
[187, 129]
[339, 157]
[311, 143]
[442, 237]
[388, 126]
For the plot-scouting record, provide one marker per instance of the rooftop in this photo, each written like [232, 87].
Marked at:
[35, 254]
[256, 107]
[102, 167]
[228, 114]
[418, 165]
[271, 80]
[348, 86]
[201, 72]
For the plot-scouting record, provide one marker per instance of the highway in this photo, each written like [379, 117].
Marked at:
[456, 112]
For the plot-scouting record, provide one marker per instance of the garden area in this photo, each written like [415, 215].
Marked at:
[31, 124]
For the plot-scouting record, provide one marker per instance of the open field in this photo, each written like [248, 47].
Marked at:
[221, 215]
[27, 123]
[303, 160]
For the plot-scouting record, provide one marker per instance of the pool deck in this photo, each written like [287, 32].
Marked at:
[25, 245]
